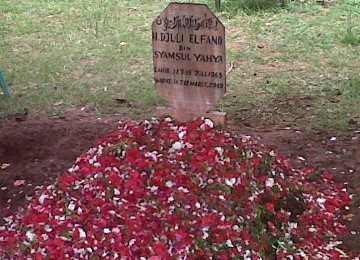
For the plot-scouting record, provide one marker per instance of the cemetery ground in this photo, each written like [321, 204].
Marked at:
[76, 68]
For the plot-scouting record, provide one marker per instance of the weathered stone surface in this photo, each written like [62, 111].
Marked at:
[189, 60]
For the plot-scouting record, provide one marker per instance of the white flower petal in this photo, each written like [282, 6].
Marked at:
[30, 235]
[229, 243]
[209, 123]
[270, 182]
[42, 198]
[169, 184]
[71, 206]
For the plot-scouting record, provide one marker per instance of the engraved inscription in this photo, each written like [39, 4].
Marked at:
[187, 21]
[192, 38]
[201, 84]
[189, 58]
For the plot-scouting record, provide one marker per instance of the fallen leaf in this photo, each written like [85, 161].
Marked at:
[131, 10]
[349, 217]
[352, 121]
[123, 101]
[4, 166]
[58, 103]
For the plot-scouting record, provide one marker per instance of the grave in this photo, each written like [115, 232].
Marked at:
[189, 61]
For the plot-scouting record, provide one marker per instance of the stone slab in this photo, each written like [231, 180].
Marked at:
[189, 59]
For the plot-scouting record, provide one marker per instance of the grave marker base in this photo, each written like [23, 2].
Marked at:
[219, 118]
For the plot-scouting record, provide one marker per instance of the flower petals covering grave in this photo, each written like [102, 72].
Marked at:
[165, 190]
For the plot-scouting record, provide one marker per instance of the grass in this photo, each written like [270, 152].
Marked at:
[58, 55]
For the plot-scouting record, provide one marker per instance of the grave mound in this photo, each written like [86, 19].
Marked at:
[165, 190]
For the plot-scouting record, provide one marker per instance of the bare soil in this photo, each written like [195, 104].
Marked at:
[38, 149]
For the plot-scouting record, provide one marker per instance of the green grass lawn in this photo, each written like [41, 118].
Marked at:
[58, 55]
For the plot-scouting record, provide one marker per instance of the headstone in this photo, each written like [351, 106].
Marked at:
[189, 61]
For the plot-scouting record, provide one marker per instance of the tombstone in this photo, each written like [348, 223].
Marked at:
[189, 61]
